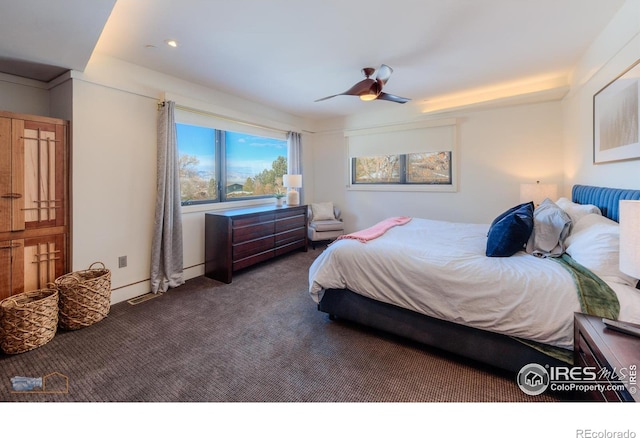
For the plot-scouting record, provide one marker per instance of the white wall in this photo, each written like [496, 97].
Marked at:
[24, 96]
[615, 50]
[498, 148]
[113, 183]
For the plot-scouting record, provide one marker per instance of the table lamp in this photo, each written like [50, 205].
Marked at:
[292, 182]
[538, 192]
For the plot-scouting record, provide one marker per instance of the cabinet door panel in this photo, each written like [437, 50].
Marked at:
[5, 174]
[11, 273]
[38, 174]
[43, 261]
[5, 269]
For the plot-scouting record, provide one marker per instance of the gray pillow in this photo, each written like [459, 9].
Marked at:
[551, 226]
[322, 211]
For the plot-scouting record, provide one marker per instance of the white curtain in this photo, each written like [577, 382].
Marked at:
[166, 250]
[294, 157]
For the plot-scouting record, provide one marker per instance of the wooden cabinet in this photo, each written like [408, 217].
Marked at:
[612, 355]
[34, 188]
[239, 238]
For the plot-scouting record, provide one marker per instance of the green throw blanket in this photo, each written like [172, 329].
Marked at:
[595, 297]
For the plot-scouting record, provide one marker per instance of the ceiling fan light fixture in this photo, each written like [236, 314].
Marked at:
[368, 97]
[371, 89]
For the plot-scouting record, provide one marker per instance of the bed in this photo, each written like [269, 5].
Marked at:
[432, 282]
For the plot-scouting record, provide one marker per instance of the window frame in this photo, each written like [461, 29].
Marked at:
[221, 170]
[403, 171]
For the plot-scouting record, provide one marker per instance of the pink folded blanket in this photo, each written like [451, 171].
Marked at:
[377, 230]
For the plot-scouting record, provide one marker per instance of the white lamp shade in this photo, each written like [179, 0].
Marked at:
[630, 238]
[538, 192]
[292, 181]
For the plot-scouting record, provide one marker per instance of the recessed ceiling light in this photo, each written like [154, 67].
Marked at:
[172, 43]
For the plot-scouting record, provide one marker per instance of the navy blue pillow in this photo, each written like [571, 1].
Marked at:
[510, 231]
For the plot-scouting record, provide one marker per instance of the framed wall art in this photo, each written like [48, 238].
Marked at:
[616, 118]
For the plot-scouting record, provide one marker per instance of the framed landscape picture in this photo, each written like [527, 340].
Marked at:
[616, 118]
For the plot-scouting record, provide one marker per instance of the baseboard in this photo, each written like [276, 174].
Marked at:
[126, 293]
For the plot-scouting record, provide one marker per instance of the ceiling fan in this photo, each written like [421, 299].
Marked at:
[371, 89]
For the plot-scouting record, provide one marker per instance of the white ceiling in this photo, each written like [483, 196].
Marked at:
[288, 53]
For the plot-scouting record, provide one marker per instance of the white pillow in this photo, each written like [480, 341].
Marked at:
[577, 211]
[595, 244]
[551, 226]
[322, 211]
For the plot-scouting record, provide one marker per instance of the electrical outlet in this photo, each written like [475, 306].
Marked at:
[122, 262]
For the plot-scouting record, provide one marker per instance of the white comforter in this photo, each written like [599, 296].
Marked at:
[440, 269]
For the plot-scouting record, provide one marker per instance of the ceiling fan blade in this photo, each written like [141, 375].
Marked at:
[393, 98]
[358, 89]
[328, 97]
[383, 75]
[361, 88]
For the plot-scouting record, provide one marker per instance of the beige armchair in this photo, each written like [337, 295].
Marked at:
[325, 223]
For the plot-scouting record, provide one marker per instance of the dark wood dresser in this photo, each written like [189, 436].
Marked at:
[239, 238]
[596, 345]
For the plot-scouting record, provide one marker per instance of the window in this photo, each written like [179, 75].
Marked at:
[429, 168]
[382, 169]
[218, 166]
[415, 168]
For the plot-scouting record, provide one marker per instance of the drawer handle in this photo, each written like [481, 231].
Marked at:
[12, 195]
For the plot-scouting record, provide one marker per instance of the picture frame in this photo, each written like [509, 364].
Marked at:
[616, 118]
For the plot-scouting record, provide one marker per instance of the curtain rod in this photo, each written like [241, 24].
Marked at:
[226, 119]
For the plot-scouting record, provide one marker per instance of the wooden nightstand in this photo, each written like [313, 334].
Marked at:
[597, 346]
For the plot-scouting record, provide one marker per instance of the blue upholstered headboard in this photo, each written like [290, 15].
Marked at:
[605, 198]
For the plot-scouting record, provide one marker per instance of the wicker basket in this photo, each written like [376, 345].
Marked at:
[85, 297]
[28, 320]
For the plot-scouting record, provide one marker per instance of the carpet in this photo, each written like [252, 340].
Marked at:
[258, 339]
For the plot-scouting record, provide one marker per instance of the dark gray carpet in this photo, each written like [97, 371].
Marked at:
[258, 339]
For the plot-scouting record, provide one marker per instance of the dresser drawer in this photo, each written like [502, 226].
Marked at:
[250, 232]
[292, 211]
[290, 223]
[287, 237]
[253, 219]
[249, 247]
[586, 356]
[297, 244]
[252, 260]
